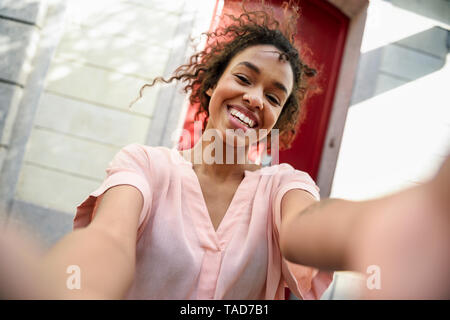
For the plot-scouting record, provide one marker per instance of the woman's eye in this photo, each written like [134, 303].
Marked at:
[242, 78]
[273, 99]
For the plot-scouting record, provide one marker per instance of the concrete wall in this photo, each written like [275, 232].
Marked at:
[23, 56]
[108, 49]
[31, 29]
[397, 129]
[20, 31]
[106, 54]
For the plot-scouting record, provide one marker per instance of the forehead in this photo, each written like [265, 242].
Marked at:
[267, 59]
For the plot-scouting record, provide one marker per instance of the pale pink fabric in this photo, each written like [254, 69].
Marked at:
[181, 256]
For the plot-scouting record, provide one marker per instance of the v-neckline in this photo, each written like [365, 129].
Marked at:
[228, 209]
[205, 214]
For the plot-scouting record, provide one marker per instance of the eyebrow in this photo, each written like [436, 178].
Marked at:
[251, 66]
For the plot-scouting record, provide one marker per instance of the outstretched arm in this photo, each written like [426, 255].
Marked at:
[406, 234]
[104, 253]
[321, 233]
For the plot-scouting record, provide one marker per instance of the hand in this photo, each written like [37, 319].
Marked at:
[408, 238]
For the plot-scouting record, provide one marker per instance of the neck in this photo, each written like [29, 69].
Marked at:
[216, 159]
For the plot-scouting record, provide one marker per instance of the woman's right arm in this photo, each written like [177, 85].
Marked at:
[104, 252]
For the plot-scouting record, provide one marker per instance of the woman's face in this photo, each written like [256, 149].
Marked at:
[251, 92]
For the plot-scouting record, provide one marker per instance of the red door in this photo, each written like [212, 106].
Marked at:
[321, 34]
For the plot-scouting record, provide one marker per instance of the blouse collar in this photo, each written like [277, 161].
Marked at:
[178, 159]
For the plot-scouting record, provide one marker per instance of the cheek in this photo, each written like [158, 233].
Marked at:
[215, 108]
[271, 117]
[220, 96]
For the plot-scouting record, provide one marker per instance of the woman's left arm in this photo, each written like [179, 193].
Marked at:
[317, 233]
[406, 235]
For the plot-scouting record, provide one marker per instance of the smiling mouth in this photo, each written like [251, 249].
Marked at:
[241, 118]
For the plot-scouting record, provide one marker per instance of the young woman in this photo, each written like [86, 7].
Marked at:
[205, 225]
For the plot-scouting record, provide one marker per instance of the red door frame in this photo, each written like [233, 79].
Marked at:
[318, 17]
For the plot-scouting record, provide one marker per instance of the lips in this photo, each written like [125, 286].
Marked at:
[246, 112]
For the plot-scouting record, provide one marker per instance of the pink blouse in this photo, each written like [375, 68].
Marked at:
[179, 255]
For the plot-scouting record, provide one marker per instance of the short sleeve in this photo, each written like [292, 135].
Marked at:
[130, 166]
[305, 282]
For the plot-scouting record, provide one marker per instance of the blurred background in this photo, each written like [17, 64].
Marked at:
[70, 68]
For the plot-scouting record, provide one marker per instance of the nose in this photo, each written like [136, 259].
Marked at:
[253, 99]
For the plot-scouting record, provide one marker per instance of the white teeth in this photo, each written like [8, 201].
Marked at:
[249, 122]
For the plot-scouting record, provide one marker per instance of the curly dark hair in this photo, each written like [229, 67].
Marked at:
[249, 29]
